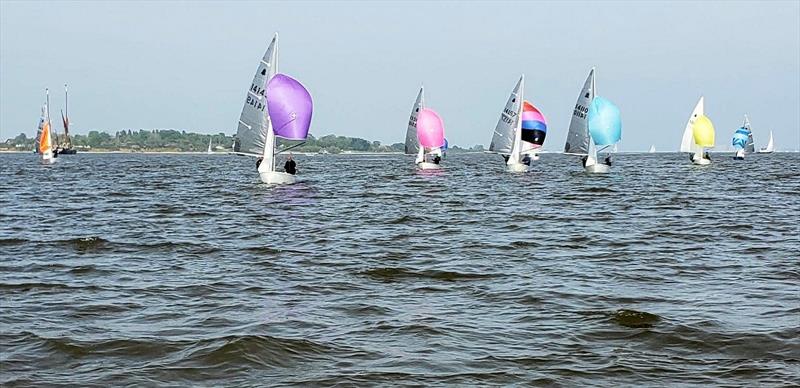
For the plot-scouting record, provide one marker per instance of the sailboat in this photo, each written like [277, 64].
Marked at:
[45, 145]
[698, 134]
[743, 140]
[770, 148]
[425, 135]
[652, 148]
[520, 131]
[595, 122]
[276, 106]
[209, 151]
[65, 147]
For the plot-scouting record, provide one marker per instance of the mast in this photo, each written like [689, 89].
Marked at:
[268, 157]
[66, 116]
[515, 148]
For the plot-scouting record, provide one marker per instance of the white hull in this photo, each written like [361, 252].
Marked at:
[598, 168]
[765, 152]
[277, 178]
[739, 155]
[701, 161]
[428, 166]
[516, 167]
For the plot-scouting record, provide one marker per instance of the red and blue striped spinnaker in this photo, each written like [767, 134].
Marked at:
[534, 125]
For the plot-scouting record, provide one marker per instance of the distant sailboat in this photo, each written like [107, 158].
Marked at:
[65, 147]
[652, 148]
[743, 140]
[770, 148]
[698, 134]
[45, 145]
[425, 135]
[595, 122]
[520, 131]
[276, 106]
[209, 147]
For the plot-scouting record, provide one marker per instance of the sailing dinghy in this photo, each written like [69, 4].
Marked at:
[425, 135]
[595, 122]
[743, 140]
[652, 148]
[520, 131]
[276, 106]
[698, 134]
[770, 148]
[209, 151]
[46, 138]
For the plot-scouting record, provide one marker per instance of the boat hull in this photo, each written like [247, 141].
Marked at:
[68, 151]
[277, 178]
[765, 152]
[598, 168]
[428, 166]
[701, 161]
[516, 167]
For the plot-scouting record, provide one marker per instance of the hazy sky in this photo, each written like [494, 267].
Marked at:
[187, 65]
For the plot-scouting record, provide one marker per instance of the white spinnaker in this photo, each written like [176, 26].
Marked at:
[687, 142]
[578, 136]
[504, 133]
[252, 129]
[412, 143]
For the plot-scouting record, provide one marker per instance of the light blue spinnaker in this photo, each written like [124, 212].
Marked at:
[605, 123]
[740, 138]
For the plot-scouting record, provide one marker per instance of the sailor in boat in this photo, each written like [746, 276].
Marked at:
[290, 166]
[526, 160]
[258, 162]
[437, 159]
[608, 160]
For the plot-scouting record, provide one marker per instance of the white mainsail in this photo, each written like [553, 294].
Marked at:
[687, 142]
[252, 130]
[750, 147]
[209, 147]
[770, 145]
[578, 136]
[652, 148]
[412, 143]
[505, 133]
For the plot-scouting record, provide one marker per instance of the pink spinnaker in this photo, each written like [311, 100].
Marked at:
[430, 129]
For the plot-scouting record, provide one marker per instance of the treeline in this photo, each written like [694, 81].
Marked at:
[182, 141]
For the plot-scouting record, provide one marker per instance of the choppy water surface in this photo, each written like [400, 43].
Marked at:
[168, 269]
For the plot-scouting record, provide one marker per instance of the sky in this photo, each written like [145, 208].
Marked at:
[187, 65]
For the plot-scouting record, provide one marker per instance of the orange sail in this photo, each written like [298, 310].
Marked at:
[44, 141]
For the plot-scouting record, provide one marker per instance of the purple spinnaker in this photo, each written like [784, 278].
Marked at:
[289, 105]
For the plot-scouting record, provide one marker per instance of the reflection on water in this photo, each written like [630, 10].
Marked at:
[185, 269]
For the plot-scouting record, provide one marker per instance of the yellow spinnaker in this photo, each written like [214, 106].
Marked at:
[703, 132]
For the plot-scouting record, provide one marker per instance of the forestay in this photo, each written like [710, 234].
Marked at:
[578, 136]
[412, 144]
[504, 132]
[252, 132]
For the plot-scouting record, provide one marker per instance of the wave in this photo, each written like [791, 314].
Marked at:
[396, 273]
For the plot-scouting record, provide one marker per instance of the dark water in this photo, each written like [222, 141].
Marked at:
[183, 270]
